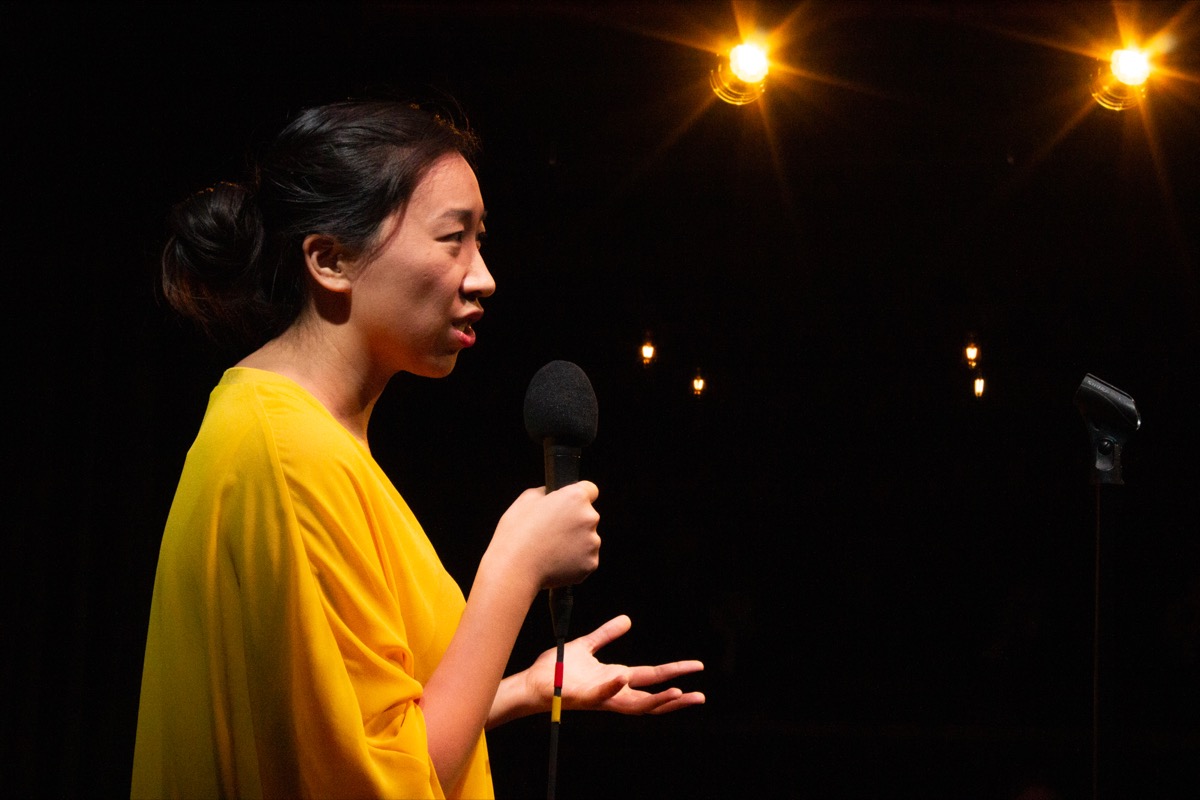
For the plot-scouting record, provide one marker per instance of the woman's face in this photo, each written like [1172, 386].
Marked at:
[416, 300]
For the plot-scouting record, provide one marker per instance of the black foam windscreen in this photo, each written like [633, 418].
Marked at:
[560, 404]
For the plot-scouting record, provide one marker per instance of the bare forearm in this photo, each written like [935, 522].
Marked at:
[459, 695]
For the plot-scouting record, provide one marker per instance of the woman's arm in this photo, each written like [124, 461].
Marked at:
[542, 540]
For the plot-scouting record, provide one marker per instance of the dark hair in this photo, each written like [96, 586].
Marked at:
[233, 261]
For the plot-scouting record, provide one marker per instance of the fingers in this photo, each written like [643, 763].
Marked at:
[668, 700]
[590, 490]
[617, 627]
[598, 696]
[552, 537]
[649, 675]
[619, 691]
[683, 701]
[610, 631]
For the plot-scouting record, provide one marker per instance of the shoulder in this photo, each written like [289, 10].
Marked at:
[255, 417]
[269, 449]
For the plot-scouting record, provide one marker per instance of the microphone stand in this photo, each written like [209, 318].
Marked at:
[1110, 417]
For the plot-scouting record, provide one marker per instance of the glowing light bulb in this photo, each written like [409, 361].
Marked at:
[1120, 82]
[741, 77]
[749, 63]
[971, 351]
[1131, 66]
[979, 386]
[647, 352]
[698, 384]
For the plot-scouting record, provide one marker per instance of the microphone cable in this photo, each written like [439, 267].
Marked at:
[561, 602]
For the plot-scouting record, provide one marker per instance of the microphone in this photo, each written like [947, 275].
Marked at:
[561, 414]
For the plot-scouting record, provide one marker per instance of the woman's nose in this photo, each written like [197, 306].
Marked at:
[478, 281]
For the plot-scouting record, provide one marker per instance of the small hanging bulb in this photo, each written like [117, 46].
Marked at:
[648, 351]
[971, 354]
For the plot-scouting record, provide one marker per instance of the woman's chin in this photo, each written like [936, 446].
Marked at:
[438, 367]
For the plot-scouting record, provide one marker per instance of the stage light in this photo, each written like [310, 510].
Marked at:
[648, 351]
[749, 63]
[979, 385]
[741, 77]
[1131, 66]
[1120, 82]
[698, 384]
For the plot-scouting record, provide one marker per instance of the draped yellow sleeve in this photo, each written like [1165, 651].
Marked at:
[298, 610]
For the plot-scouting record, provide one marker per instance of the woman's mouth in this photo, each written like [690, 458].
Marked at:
[466, 333]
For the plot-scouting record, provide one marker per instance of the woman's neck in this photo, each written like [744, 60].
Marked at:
[327, 369]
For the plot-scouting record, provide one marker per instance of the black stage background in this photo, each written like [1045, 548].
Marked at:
[890, 581]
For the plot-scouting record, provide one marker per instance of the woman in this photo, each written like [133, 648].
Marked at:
[305, 640]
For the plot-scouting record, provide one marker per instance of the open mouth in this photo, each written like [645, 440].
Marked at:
[466, 333]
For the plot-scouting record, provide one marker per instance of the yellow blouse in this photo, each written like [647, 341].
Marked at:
[298, 611]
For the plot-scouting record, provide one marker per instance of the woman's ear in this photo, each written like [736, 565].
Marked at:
[327, 262]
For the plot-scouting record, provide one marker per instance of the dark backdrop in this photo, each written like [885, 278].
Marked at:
[890, 581]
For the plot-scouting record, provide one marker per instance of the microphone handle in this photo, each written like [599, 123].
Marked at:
[562, 464]
[562, 468]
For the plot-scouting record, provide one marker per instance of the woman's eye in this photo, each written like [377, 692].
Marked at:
[458, 237]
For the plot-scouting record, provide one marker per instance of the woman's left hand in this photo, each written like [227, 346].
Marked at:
[589, 684]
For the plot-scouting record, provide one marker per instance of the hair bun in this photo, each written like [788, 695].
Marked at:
[217, 232]
[210, 260]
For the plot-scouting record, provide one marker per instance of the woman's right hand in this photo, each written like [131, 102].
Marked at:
[550, 538]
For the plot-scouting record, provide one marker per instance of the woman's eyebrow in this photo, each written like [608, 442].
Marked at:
[464, 215]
